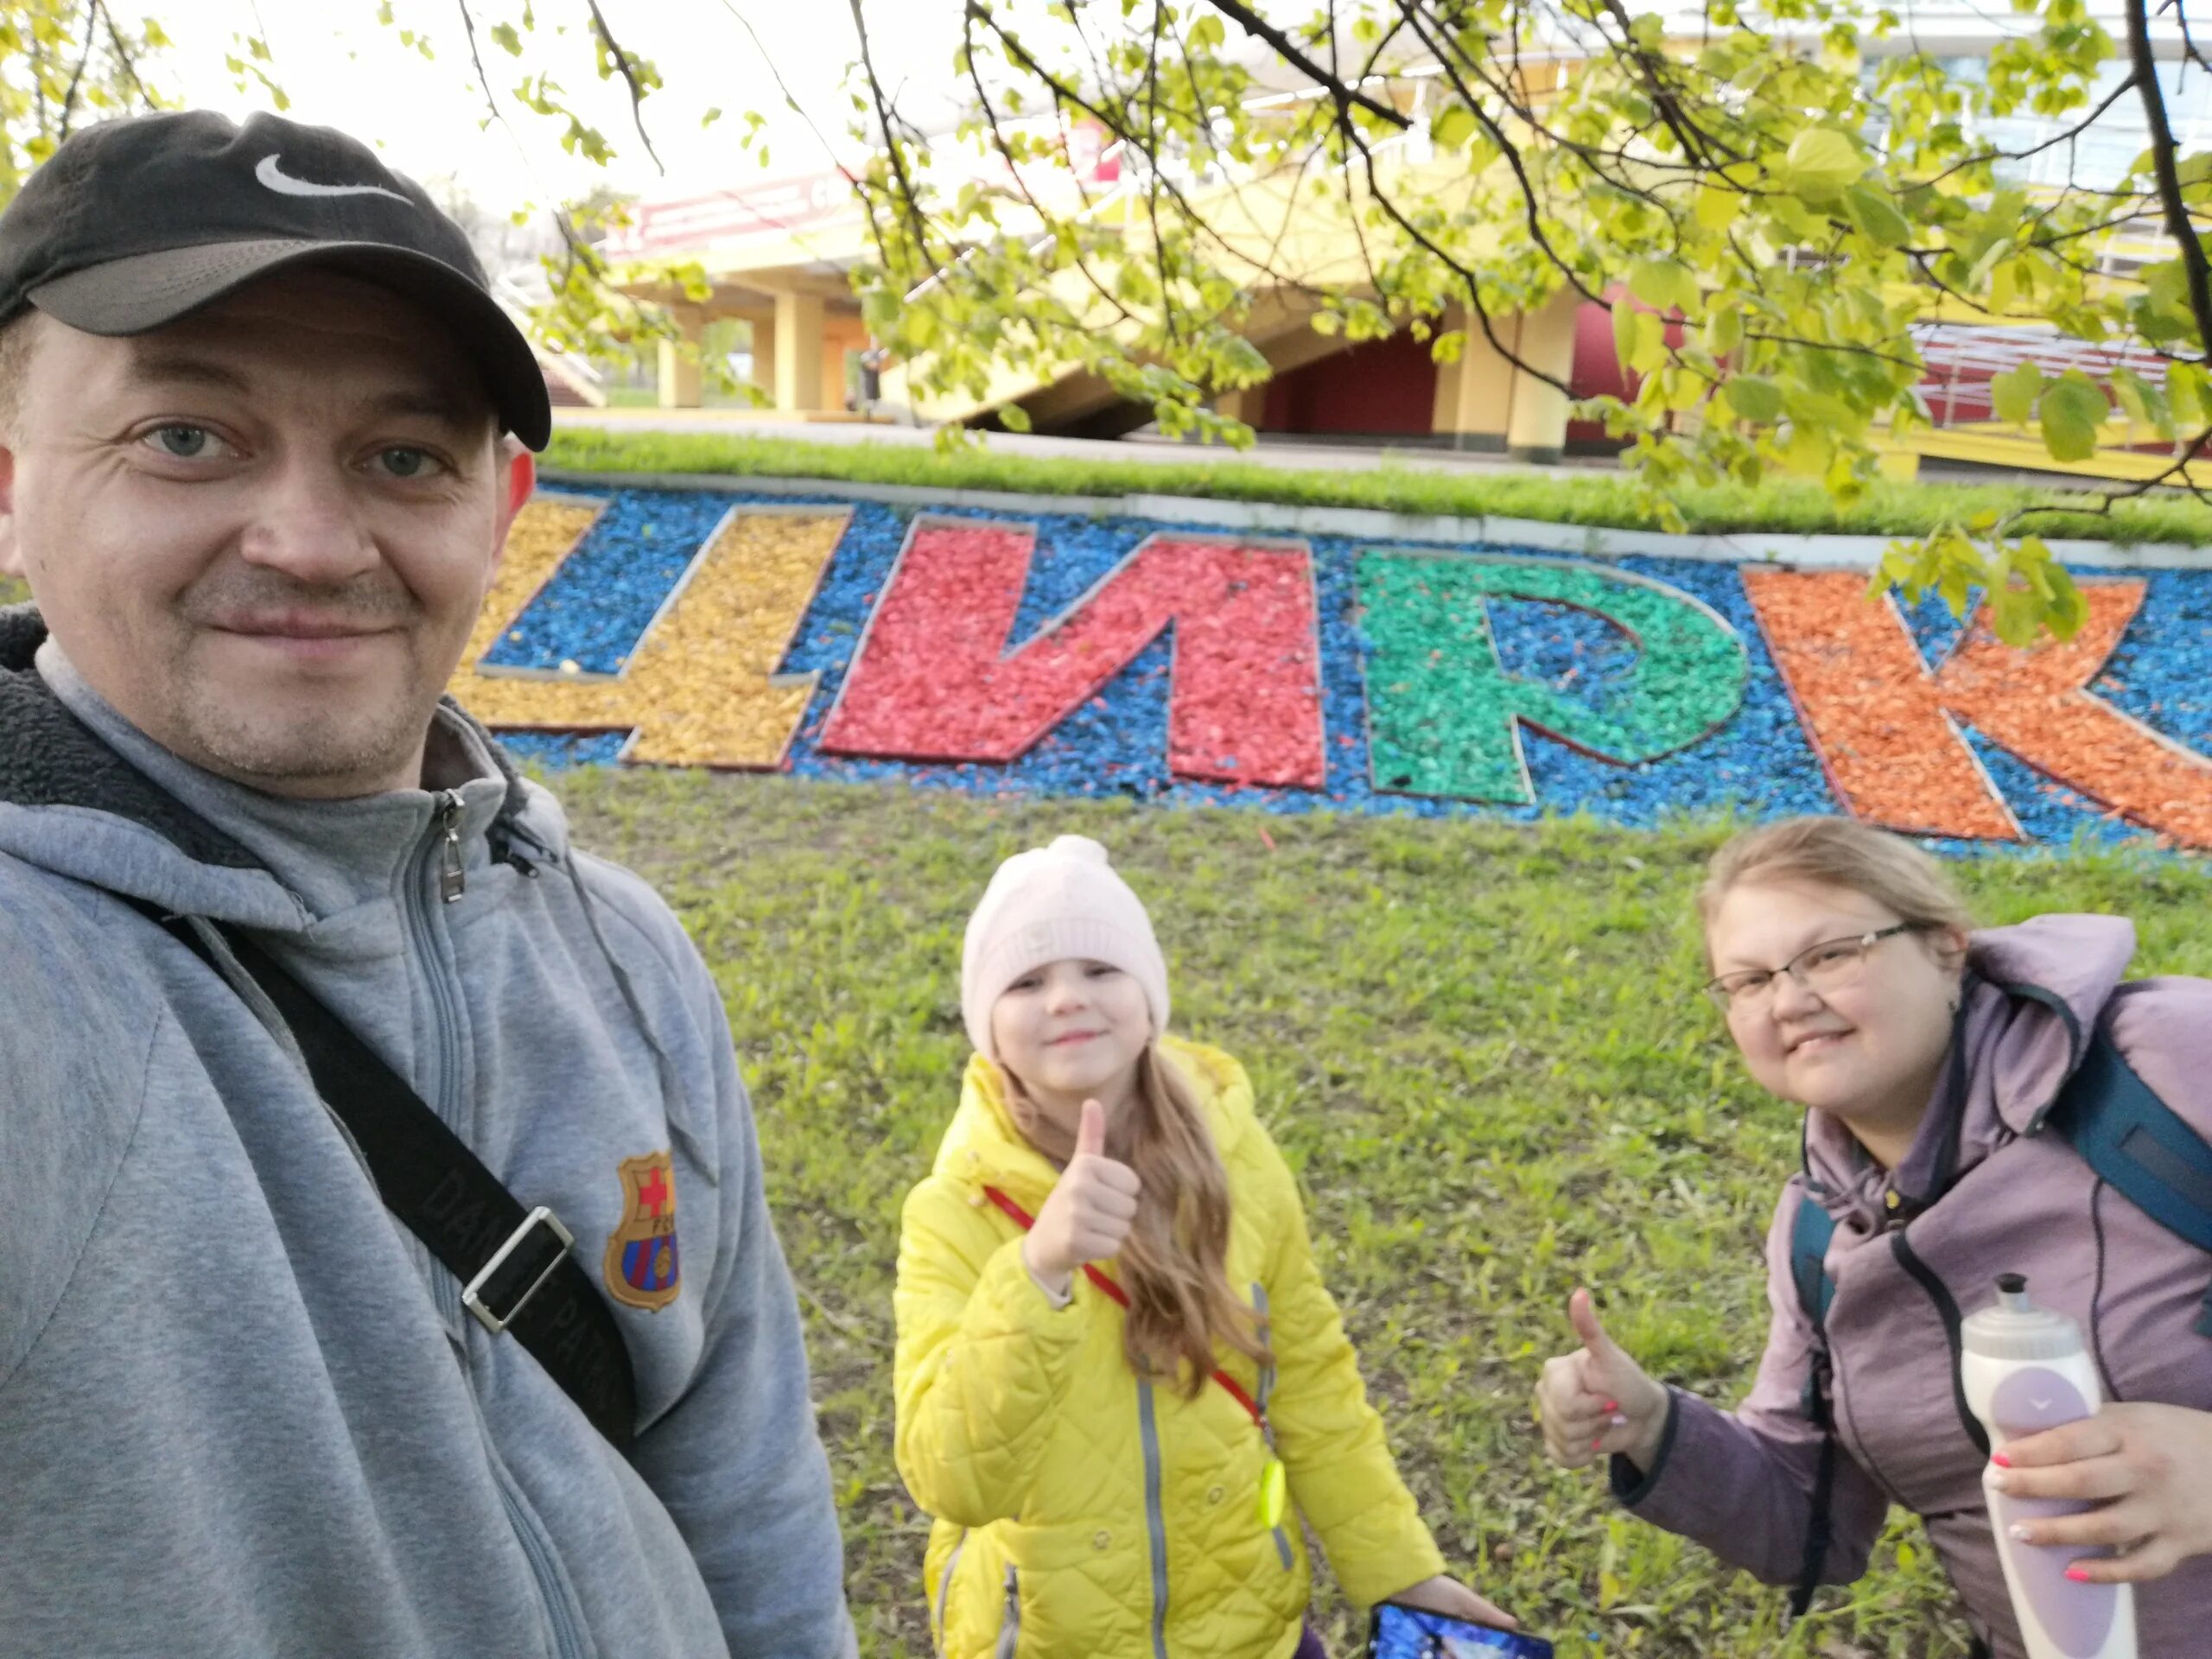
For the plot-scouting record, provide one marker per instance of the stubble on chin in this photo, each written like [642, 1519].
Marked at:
[292, 736]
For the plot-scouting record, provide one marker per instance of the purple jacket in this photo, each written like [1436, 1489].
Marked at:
[1917, 1248]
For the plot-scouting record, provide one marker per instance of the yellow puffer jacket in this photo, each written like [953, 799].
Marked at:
[1082, 1512]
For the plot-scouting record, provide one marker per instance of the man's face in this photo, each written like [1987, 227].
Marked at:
[262, 533]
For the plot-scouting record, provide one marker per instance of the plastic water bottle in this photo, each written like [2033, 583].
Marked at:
[2025, 1370]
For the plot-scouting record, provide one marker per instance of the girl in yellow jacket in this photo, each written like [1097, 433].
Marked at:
[1121, 1381]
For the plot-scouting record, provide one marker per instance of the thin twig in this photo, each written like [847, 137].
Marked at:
[629, 79]
[483, 80]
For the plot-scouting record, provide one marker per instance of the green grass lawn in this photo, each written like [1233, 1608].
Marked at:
[1580, 497]
[1478, 1043]
[13, 591]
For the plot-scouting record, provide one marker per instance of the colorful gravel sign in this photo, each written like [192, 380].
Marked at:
[1054, 654]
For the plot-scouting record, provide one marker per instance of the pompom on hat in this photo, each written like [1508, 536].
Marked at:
[1060, 903]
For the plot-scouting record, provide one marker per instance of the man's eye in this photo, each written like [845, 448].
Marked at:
[402, 461]
[184, 442]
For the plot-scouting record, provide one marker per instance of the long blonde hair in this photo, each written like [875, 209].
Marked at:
[1838, 853]
[1174, 1264]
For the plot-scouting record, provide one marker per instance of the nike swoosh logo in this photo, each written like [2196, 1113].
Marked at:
[284, 184]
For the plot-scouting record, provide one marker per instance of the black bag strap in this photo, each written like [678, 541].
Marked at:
[1810, 1237]
[518, 1270]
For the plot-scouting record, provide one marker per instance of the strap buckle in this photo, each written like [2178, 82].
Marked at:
[495, 1323]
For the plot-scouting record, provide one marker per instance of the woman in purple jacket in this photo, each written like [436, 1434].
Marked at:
[1925, 1056]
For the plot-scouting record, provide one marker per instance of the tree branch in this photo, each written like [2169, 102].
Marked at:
[2179, 225]
[629, 79]
[909, 204]
[1261, 29]
[77, 76]
[123, 57]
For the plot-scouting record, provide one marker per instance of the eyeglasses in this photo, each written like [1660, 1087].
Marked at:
[1828, 966]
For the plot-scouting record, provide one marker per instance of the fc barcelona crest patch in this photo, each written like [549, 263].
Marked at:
[641, 1266]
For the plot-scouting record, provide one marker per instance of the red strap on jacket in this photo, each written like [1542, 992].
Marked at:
[1026, 1221]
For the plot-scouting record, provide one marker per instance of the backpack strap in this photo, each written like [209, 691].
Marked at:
[1810, 1237]
[1809, 1261]
[2138, 1145]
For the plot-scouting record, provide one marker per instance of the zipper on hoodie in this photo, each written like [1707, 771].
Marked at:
[538, 1550]
[452, 881]
[440, 856]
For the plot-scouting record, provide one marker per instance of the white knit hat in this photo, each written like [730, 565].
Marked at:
[1056, 904]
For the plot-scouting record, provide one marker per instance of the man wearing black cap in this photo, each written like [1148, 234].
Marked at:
[384, 1264]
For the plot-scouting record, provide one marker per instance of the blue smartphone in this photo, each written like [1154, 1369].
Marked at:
[1395, 1632]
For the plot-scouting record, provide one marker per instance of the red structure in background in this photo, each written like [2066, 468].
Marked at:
[1379, 388]
[1387, 388]
[1598, 371]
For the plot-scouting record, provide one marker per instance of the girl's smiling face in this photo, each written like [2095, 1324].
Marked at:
[1072, 1029]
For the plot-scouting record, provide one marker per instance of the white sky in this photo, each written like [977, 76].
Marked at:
[344, 69]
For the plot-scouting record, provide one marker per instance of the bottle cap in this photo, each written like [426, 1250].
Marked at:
[2014, 1328]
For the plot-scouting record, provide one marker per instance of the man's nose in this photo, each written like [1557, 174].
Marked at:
[307, 524]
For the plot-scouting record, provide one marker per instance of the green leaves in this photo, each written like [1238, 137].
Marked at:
[1717, 208]
[1639, 338]
[1821, 163]
[1664, 284]
[1876, 214]
[2013, 393]
[1755, 397]
[1454, 125]
[2072, 408]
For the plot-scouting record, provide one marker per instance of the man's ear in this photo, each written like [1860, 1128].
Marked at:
[519, 469]
[11, 554]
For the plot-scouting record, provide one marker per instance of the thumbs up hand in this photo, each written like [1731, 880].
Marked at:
[1597, 1401]
[1090, 1211]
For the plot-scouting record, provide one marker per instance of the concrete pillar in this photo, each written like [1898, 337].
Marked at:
[764, 357]
[1474, 395]
[1537, 423]
[1230, 405]
[798, 351]
[679, 379]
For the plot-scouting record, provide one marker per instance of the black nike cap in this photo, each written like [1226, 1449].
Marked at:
[134, 223]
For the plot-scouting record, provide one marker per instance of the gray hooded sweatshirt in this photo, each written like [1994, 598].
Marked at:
[242, 1412]
[1918, 1248]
